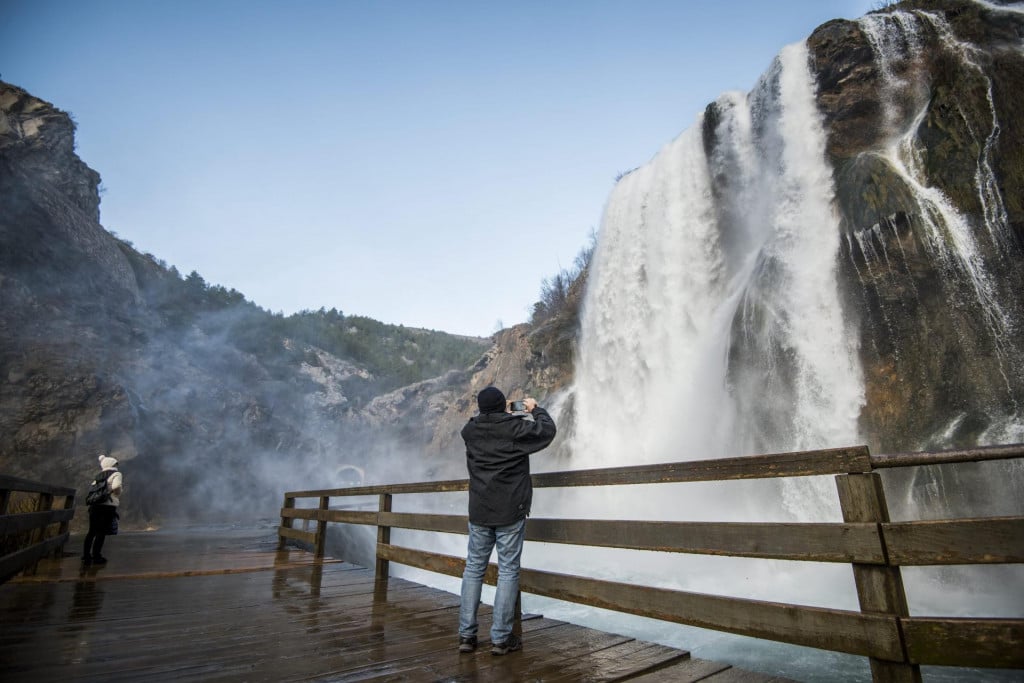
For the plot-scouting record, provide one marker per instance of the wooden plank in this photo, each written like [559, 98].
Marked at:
[28, 521]
[435, 562]
[612, 663]
[8, 483]
[286, 522]
[342, 516]
[18, 561]
[449, 524]
[787, 541]
[321, 528]
[784, 541]
[291, 621]
[879, 588]
[419, 487]
[980, 454]
[297, 535]
[800, 464]
[955, 541]
[225, 637]
[838, 630]
[689, 671]
[807, 463]
[997, 643]
[352, 517]
[381, 568]
[544, 655]
[734, 675]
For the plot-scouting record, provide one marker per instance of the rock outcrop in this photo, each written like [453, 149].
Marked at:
[211, 407]
[943, 81]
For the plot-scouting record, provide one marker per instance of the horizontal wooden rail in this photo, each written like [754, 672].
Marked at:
[23, 534]
[13, 563]
[801, 464]
[29, 521]
[419, 487]
[8, 483]
[994, 643]
[817, 542]
[896, 642]
[955, 541]
[779, 541]
[837, 630]
[298, 535]
[982, 454]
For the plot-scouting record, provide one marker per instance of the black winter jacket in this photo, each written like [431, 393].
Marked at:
[498, 446]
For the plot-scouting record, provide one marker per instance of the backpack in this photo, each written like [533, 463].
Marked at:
[99, 491]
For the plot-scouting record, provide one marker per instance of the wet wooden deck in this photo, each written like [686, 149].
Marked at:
[224, 605]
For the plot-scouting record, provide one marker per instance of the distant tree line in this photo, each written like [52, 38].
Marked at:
[556, 315]
[394, 355]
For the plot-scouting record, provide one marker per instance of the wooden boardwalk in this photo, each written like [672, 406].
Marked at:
[224, 605]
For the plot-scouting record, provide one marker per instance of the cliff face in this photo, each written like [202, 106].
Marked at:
[51, 214]
[925, 135]
[54, 390]
[210, 405]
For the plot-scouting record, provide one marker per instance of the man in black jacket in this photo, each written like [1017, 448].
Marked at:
[498, 445]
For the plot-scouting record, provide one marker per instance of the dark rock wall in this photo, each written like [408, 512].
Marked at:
[934, 357]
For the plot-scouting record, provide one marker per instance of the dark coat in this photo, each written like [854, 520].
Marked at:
[498, 446]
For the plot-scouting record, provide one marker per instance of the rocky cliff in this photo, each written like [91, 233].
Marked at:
[924, 95]
[213, 405]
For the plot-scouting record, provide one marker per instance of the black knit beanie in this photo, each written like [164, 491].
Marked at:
[491, 400]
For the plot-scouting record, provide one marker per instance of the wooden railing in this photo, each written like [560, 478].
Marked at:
[30, 526]
[895, 642]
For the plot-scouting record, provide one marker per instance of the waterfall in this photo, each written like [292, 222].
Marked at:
[712, 325]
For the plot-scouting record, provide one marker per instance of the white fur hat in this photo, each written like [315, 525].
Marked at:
[107, 463]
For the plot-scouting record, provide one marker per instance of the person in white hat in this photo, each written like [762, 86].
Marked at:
[103, 513]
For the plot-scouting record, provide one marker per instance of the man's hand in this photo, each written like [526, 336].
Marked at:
[530, 404]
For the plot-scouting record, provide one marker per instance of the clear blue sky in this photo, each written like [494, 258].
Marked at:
[420, 162]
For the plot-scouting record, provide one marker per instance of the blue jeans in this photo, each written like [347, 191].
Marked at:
[482, 539]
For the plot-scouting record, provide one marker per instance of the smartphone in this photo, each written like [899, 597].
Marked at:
[518, 406]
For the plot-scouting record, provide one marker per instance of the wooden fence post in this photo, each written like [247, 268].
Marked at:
[321, 527]
[69, 504]
[879, 587]
[383, 537]
[38, 535]
[286, 522]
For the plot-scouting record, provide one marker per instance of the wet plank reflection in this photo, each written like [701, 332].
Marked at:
[225, 605]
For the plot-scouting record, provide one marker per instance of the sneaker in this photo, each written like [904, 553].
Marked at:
[510, 644]
[99, 559]
[467, 644]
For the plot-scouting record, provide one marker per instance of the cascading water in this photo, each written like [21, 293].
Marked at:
[712, 324]
[713, 327]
